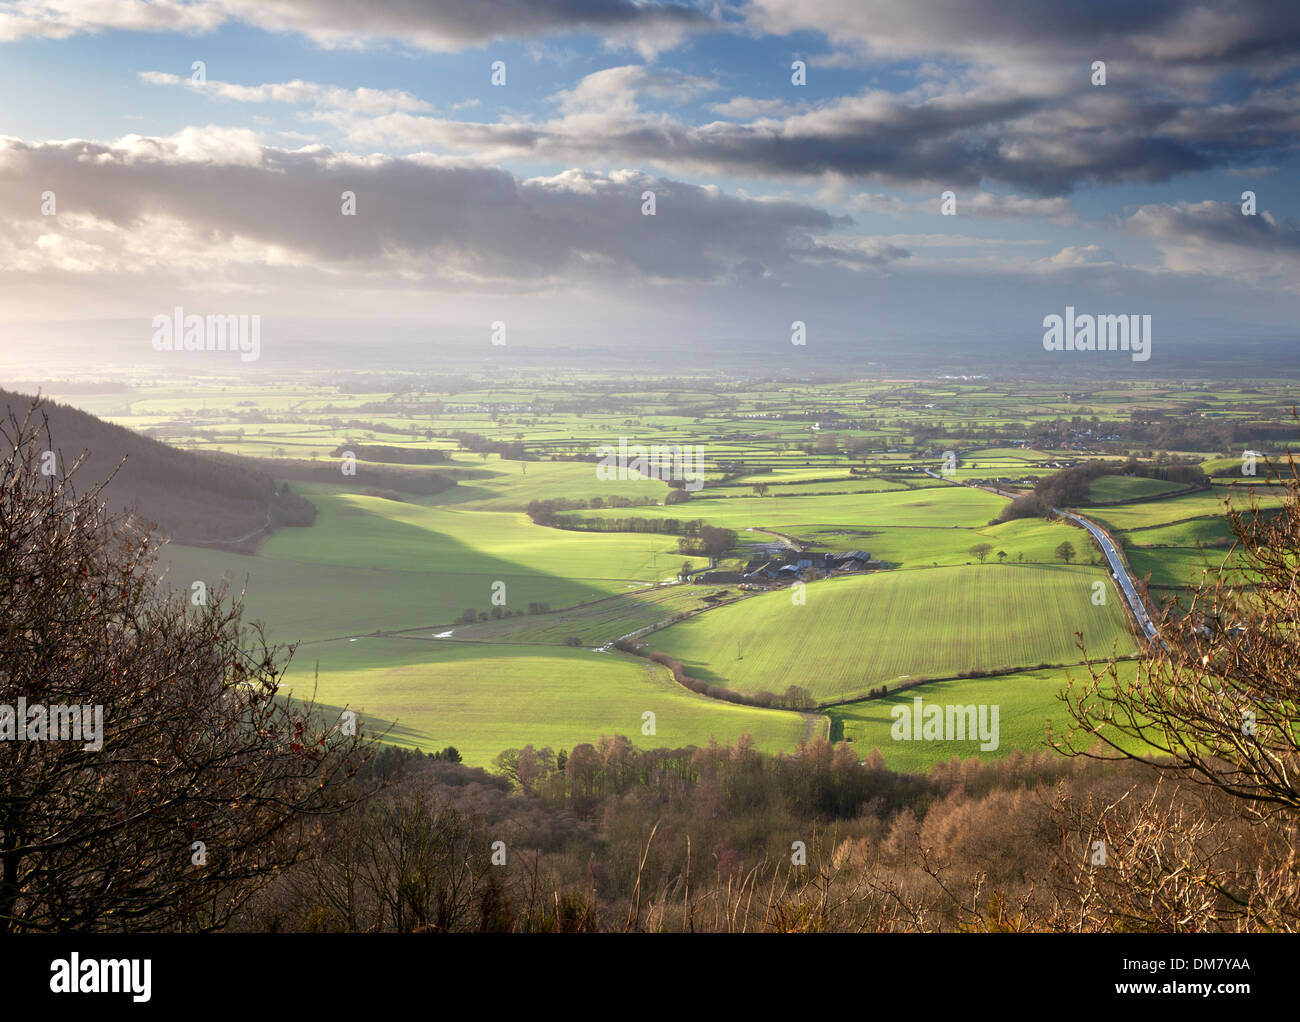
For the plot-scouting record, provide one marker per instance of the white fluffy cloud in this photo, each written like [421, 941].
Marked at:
[363, 102]
[1216, 238]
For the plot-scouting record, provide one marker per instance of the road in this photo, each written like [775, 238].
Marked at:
[1118, 569]
[788, 541]
[1117, 566]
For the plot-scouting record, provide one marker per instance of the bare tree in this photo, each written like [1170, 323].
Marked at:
[1216, 702]
[193, 779]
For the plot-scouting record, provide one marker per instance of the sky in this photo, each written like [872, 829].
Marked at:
[196, 154]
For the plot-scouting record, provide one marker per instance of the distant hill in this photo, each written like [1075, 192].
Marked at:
[191, 498]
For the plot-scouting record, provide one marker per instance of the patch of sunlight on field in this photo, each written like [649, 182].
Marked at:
[855, 633]
[483, 699]
[1026, 701]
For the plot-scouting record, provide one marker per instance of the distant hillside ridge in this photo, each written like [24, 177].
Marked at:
[388, 454]
[191, 498]
[420, 482]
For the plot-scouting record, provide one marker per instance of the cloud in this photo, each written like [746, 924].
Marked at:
[220, 201]
[1046, 145]
[858, 252]
[363, 102]
[614, 91]
[890, 205]
[1216, 238]
[1214, 223]
[1082, 255]
[743, 107]
[1038, 128]
[982, 205]
[1015, 207]
[61, 19]
[1187, 34]
[446, 25]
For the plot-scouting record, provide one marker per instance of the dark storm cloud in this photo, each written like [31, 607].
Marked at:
[1046, 145]
[1186, 33]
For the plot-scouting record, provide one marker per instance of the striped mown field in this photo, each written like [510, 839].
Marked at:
[855, 633]
[1026, 702]
[484, 698]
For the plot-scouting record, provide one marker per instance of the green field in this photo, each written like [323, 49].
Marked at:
[485, 698]
[1177, 509]
[1031, 540]
[596, 623]
[855, 633]
[498, 485]
[1180, 566]
[1026, 701]
[947, 506]
[854, 484]
[1206, 531]
[1128, 487]
[371, 564]
[841, 461]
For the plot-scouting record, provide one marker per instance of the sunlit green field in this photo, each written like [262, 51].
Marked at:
[1182, 566]
[1022, 540]
[1176, 509]
[599, 622]
[485, 698]
[1210, 530]
[1026, 702]
[510, 485]
[853, 484]
[944, 505]
[373, 564]
[1128, 487]
[855, 633]
[1188, 550]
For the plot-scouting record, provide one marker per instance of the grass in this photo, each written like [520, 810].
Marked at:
[854, 484]
[509, 485]
[483, 699]
[855, 633]
[594, 623]
[372, 564]
[1206, 531]
[924, 546]
[1181, 566]
[941, 506]
[1177, 509]
[1128, 487]
[1026, 702]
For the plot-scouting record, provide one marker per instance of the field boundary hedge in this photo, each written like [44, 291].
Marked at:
[794, 699]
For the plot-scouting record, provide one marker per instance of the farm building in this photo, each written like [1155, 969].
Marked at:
[853, 560]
